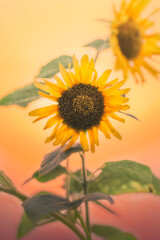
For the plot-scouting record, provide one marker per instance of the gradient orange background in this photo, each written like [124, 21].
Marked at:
[33, 33]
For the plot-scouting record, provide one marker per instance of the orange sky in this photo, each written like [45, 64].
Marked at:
[32, 34]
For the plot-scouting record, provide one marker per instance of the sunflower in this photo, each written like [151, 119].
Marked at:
[131, 40]
[82, 105]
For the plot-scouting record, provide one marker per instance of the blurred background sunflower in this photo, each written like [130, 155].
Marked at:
[132, 40]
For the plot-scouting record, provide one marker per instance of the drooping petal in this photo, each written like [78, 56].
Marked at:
[72, 141]
[95, 135]
[39, 118]
[67, 136]
[116, 117]
[102, 128]
[52, 121]
[62, 136]
[111, 129]
[52, 136]
[91, 138]
[84, 141]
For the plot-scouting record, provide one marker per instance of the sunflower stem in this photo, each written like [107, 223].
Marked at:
[67, 179]
[67, 185]
[85, 188]
[83, 224]
[17, 194]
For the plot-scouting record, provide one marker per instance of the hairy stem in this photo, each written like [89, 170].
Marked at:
[67, 186]
[67, 179]
[14, 193]
[85, 192]
[83, 224]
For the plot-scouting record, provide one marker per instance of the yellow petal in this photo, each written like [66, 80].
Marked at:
[103, 79]
[112, 130]
[111, 83]
[102, 128]
[138, 7]
[95, 135]
[153, 71]
[52, 121]
[116, 100]
[84, 68]
[114, 116]
[84, 141]
[62, 132]
[76, 66]
[72, 141]
[123, 5]
[91, 70]
[124, 107]
[114, 87]
[54, 87]
[42, 86]
[60, 82]
[94, 78]
[65, 75]
[121, 92]
[91, 138]
[41, 117]
[67, 136]
[50, 97]
[44, 110]
[54, 132]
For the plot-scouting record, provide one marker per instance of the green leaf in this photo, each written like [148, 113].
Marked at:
[53, 159]
[76, 181]
[50, 168]
[111, 233]
[40, 206]
[155, 188]
[25, 226]
[21, 97]
[125, 177]
[56, 172]
[5, 182]
[7, 186]
[105, 207]
[99, 44]
[49, 70]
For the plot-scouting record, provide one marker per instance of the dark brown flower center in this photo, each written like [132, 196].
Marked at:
[130, 40]
[81, 106]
